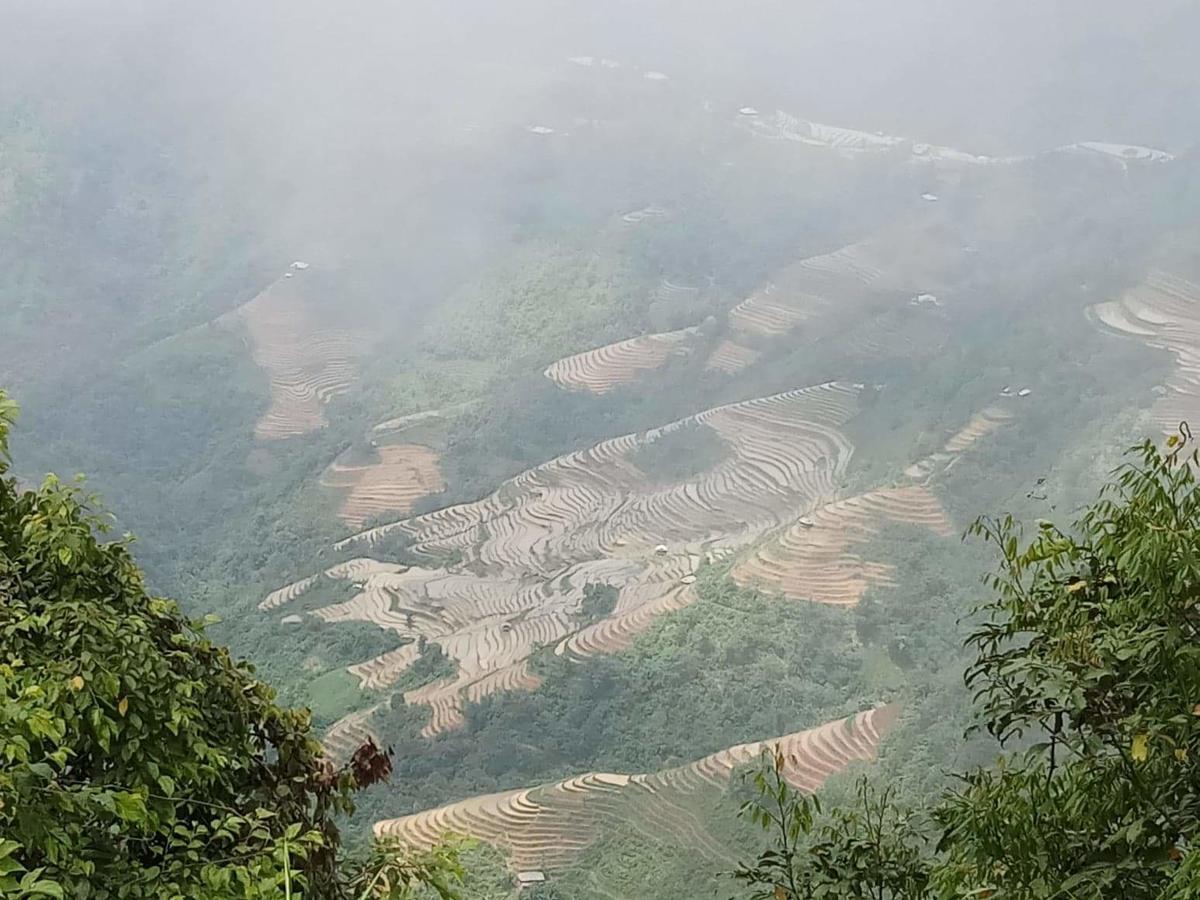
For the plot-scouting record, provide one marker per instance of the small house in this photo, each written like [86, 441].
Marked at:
[530, 878]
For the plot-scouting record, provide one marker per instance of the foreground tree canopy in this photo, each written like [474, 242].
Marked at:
[1088, 660]
[137, 759]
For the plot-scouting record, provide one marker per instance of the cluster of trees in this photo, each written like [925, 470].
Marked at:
[1087, 659]
[137, 757]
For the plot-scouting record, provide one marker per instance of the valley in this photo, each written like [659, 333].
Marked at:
[578, 421]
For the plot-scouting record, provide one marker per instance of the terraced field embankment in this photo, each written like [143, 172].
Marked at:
[400, 476]
[306, 363]
[814, 558]
[523, 555]
[613, 365]
[548, 827]
[1163, 312]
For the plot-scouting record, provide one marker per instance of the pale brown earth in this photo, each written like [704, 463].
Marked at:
[524, 554]
[614, 365]
[814, 559]
[548, 827]
[1163, 312]
[824, 292]
[730, 357]
[595, 503]
[980, 425]
[804, 291]
[403, 475]
[816, 293]
[306, 363]
[350, 570]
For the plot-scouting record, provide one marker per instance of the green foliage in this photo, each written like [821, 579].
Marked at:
[680, 453]
[432, 665]
[332, 695]
[8, 416]
[1091, 647]
[391, 872]
[868, 851]
[598, 601]
[137, 758]
[549, 296]
[1088, 654]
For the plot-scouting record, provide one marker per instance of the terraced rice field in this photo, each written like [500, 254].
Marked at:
[731, 357]
[523, 555]
[813, 559]
[348, 734]
[350, 570]
[1163, 312]
[614, 365]
[403, 474]
[307, 365]
[549, 826]
[819, 290]
[784, 450]
[491, 625]
[832, 289]
[980, 425]
[798, 294]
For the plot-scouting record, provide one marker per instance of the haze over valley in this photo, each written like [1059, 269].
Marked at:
[578, 399]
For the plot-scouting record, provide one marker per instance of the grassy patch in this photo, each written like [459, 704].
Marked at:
[332, 695]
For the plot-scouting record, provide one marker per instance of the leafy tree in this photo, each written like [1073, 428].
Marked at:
[1088, 659]
[868, 851]
[599, 599]
[137, 758]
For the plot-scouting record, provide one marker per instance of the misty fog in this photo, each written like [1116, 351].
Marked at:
[552, 387]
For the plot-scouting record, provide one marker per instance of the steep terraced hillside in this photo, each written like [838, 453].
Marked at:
[813, 558]
[403, 474]
[817, 291]
[350, 570]
[805, 290]
[613, 365]
[547, 827]
[980, 425]
[506, 575]
[350, 733]
[731, 357]
[886, 272]
[783, 450]
[1164, 312]
[870, 285]
[307, 364]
